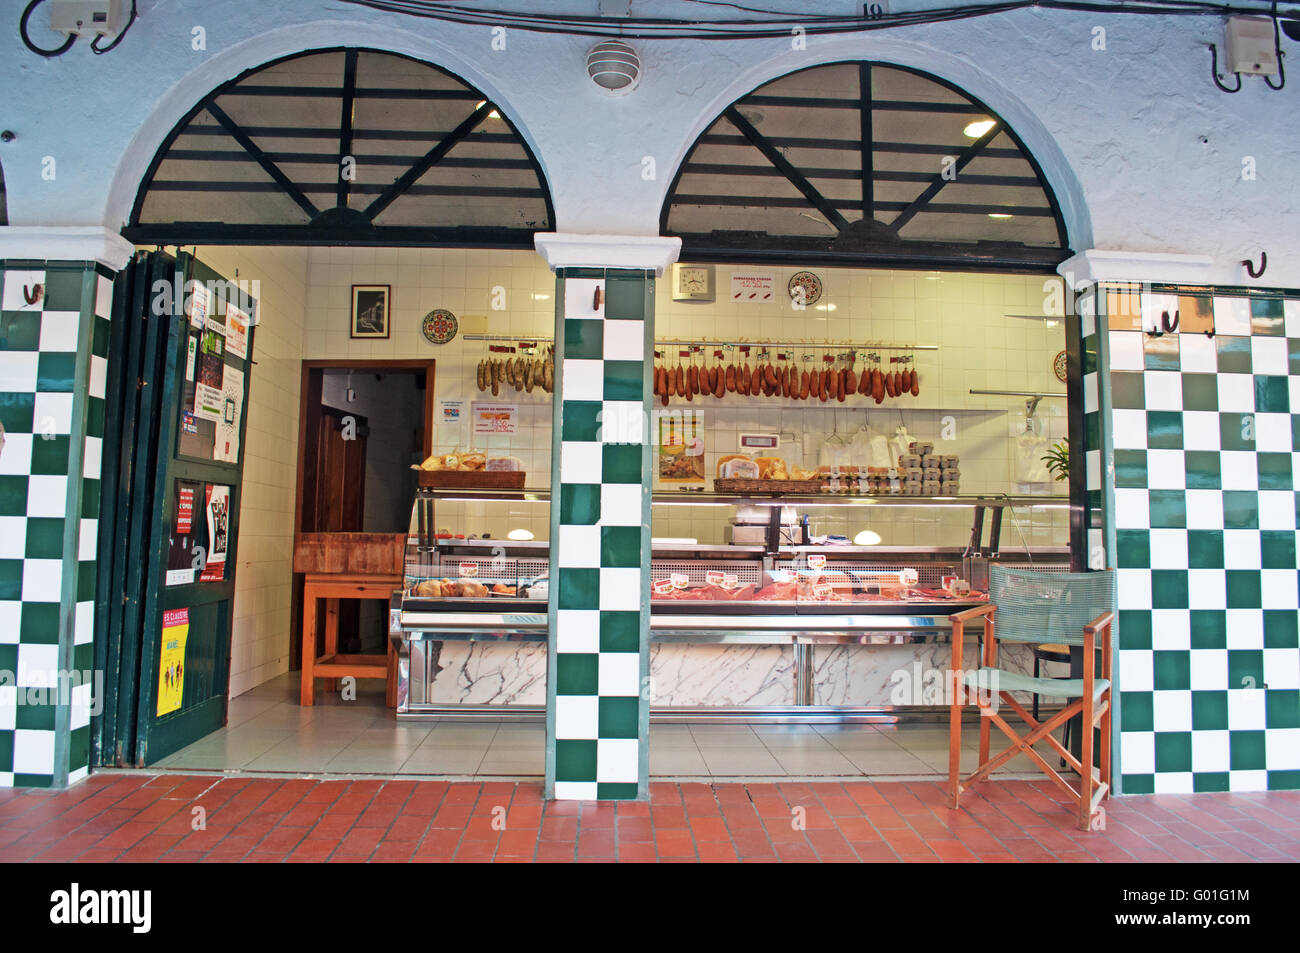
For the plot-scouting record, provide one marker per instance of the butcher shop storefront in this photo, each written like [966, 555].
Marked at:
[387, 473]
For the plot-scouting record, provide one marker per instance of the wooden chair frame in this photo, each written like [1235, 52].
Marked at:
[1094, 781]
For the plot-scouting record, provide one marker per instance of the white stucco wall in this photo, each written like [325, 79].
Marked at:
[1144, 153]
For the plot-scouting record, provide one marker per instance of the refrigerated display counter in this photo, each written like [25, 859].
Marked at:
[753, 630]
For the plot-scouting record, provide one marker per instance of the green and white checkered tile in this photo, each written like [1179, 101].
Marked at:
[1206, 442]
[1094, 433]
[46, 541]
[598, 713]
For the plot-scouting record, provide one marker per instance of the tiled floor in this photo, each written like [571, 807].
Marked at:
[138, 816]
[269, 732]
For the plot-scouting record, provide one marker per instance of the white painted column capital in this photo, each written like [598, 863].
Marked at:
[1104, 264]
[574, 250]
[65, 243]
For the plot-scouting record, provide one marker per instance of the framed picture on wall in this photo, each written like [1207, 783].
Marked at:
[370, 310]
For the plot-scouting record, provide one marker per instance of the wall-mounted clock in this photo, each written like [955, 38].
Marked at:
[693, 282]
[1060, 365]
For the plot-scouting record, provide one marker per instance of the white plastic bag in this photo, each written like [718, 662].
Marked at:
[1029, 453]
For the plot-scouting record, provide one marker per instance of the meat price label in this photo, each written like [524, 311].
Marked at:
[753, 287]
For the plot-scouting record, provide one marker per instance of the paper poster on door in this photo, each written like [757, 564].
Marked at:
[236, 331]
[210, 368]
[226, 446]
[198, 303]
[217, 511]
[171, 659]
[183, 560]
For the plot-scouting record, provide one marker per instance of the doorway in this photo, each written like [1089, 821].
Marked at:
[362, 425]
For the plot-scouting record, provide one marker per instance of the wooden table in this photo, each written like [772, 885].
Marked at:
[332, 587]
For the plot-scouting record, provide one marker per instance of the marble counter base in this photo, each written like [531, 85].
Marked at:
[905, 674]
[685, 676]
[514, 673]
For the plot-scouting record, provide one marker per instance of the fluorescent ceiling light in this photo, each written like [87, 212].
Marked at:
[998, 215]
[978, 128]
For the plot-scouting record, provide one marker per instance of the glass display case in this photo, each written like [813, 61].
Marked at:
[798, 596]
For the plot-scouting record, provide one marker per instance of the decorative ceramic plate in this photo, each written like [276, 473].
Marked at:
[439, 326]
[1060, 365]
[811, 285]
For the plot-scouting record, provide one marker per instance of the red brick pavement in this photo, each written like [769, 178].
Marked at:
[141, 817]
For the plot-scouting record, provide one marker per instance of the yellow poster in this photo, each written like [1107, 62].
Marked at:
[681, 447]
[171, 660]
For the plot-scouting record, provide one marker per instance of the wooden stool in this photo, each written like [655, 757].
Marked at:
[332, 587]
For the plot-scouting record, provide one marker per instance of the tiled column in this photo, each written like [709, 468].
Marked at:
[53, 359]
[598, 714]
[1197, 443]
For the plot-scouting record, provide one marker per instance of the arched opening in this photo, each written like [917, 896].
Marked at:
[344, 145]
[865, 163]
[357, 231]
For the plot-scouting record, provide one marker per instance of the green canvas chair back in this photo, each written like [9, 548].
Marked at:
[1042, 607]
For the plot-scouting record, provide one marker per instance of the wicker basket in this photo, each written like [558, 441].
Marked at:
[769, 487]
[473, 479]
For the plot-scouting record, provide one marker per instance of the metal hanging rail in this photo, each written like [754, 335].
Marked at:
[803, 345]
[508, 338]
[1014, 393]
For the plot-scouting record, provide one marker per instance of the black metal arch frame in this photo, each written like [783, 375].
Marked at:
[876, 245]
[339, 224]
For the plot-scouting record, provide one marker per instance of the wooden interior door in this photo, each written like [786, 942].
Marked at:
[340, 472]
[340, 498]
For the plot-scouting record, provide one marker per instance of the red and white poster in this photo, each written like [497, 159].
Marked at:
[753, 287]
[183, 561]
[184, 509]
[494, 418]
[217, 510]
[236, 331]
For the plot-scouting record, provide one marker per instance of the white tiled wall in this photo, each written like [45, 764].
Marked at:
[513, 290]
[260, 636]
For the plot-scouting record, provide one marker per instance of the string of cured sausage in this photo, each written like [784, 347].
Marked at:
[836, 382]
[521, 373]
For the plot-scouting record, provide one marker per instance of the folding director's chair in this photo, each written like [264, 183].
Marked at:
[1039, 607]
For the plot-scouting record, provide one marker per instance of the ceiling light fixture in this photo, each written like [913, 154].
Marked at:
[999, 215]
[492, 115]
[519, 535]
[978, 128]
